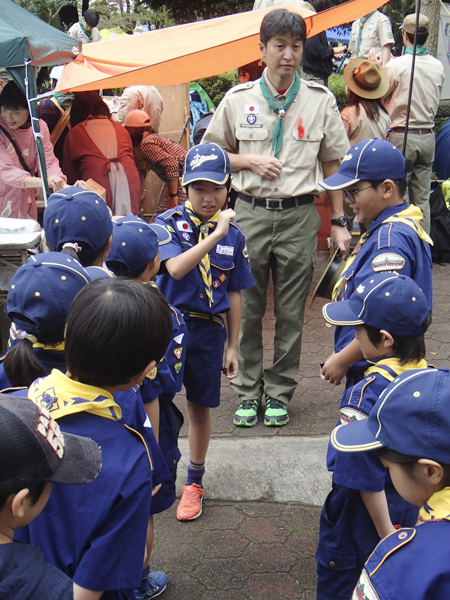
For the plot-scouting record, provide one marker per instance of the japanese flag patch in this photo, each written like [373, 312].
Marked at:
[252, 109]
[184, 226]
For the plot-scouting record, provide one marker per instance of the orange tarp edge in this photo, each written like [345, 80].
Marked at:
[188, 52]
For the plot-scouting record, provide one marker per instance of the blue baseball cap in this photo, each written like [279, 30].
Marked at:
[368, 160]
[387, 301]
[206, 162]
[42, 290]
[136, 242]
[411, 416]
[77, 215]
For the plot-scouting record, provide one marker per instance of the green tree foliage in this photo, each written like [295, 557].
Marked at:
[47, 10]
[187, 11]
[216, 87]
[126, 15]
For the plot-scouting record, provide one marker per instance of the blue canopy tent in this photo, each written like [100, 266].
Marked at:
[25, 43]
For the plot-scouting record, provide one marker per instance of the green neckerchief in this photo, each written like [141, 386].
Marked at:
[362, 22]
[420, 50]
[64, 100]
[87, 33]
[277, 140]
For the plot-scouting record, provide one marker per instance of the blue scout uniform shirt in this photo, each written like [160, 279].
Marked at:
[100, 527]
[409, 563]
[230, 269]
[164, 381]
[393, 246]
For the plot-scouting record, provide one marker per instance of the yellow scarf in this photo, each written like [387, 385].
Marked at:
[437, 508]
[204, 265]
[60, 347]
[411, 216]
[62, 396]
[394, 364]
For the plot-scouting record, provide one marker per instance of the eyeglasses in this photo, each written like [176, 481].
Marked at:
[350, 195]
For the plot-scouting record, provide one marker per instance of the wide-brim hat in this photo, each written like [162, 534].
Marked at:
[331, 273]
[366, 79]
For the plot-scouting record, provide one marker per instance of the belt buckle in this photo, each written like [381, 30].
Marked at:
[274, 203]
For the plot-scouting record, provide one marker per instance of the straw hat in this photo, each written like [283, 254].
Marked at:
[366, 79]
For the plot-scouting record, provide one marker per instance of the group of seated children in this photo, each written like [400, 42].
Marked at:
[389, 453]
[105, 355]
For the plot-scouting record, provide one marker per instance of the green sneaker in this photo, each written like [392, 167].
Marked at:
[276, 413]
[247, 413]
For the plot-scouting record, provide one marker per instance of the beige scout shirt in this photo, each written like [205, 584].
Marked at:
[244, 124]
[376, 33]
[143, 97]
[76, 32]
[427, 86]
[360, 127]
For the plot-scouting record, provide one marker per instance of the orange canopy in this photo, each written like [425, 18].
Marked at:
[188, 52]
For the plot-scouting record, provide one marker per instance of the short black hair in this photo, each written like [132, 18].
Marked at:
[35, 492]
[406, 347]
[87, 255]
[121, 270]
[115, 328]
[402, 184]
[12, 97]
[321, 5]
[282, 22]
[421, 38]
[91, 17]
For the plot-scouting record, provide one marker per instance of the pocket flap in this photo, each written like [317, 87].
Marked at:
[252, 133]
[310, 135]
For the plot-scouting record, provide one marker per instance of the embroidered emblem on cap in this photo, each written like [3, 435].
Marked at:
[199, 159]
[347, 157]
[49, 429]
[360, 289]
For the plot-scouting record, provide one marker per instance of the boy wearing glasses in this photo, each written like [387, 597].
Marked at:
[372, 177]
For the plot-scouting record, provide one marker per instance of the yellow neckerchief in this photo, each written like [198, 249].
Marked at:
[60, 347]
[62, 396]
[411, 216]
[396, 366]
[437, 508]
[204, 265]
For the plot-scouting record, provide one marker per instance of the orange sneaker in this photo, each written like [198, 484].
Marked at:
[190, 506]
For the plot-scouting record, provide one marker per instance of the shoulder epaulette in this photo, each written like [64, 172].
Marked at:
[172, 212]
[388, 546]
[241, 86]
[237, 227]
[2, 358]
[12, 389]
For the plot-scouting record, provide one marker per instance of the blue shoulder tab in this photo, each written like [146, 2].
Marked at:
[388, 546]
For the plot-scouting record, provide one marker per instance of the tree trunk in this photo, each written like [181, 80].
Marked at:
[432, 9]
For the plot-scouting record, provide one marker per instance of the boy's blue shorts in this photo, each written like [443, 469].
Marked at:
[204, 359]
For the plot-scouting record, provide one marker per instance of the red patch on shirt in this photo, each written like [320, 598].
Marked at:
[219, 281]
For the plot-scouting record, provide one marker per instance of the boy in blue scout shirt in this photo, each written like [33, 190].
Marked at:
[205, 267]
[409, 425]
[372, 179]
[116, 332]
[391, 316]
[33, 455]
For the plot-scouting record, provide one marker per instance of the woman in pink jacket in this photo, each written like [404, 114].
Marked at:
[17, 197]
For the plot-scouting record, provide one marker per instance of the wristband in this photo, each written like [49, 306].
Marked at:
[173, 195]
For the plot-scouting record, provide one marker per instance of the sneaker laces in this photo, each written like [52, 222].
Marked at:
[192, 493]
[273, 403]
[248, 404]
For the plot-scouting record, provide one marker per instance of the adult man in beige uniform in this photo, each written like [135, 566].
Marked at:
[427, 86]
[275, 205]
[372, 31]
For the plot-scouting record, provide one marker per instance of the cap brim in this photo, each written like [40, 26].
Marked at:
[337, 182]
[353, 85]
[354, 437]
[340, 313]
[81, 463]
[163, 234]
[213, 177]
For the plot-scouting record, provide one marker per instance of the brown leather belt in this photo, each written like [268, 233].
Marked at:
[278, 203]
[412, 130]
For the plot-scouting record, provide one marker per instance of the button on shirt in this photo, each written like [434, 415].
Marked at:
[376, 33]
[230, 269]
[244, 124]
[428, 81]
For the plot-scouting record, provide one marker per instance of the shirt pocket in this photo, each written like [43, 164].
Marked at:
[252, 140]
[221, 269]
[305, 149]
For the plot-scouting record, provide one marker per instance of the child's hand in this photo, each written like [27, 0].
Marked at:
[231, 366]
[333, 370]
[223, 223]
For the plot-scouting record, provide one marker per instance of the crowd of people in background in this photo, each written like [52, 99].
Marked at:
[118, 314]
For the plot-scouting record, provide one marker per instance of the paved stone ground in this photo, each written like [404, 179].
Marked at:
[259, 550]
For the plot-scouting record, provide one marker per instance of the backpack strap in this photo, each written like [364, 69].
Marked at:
[17, 149]
[60, 125]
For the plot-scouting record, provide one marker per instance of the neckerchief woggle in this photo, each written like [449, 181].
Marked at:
[62, 396]
[420, 50]
[277, 140]
[204, 265]
[437, 508]
[411, 216]
[362, 22]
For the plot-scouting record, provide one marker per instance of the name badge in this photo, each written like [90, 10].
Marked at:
[184, 226]
[226, 250]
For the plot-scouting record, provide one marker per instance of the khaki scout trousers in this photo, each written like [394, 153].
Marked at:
[283, 242]
[419, 163]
